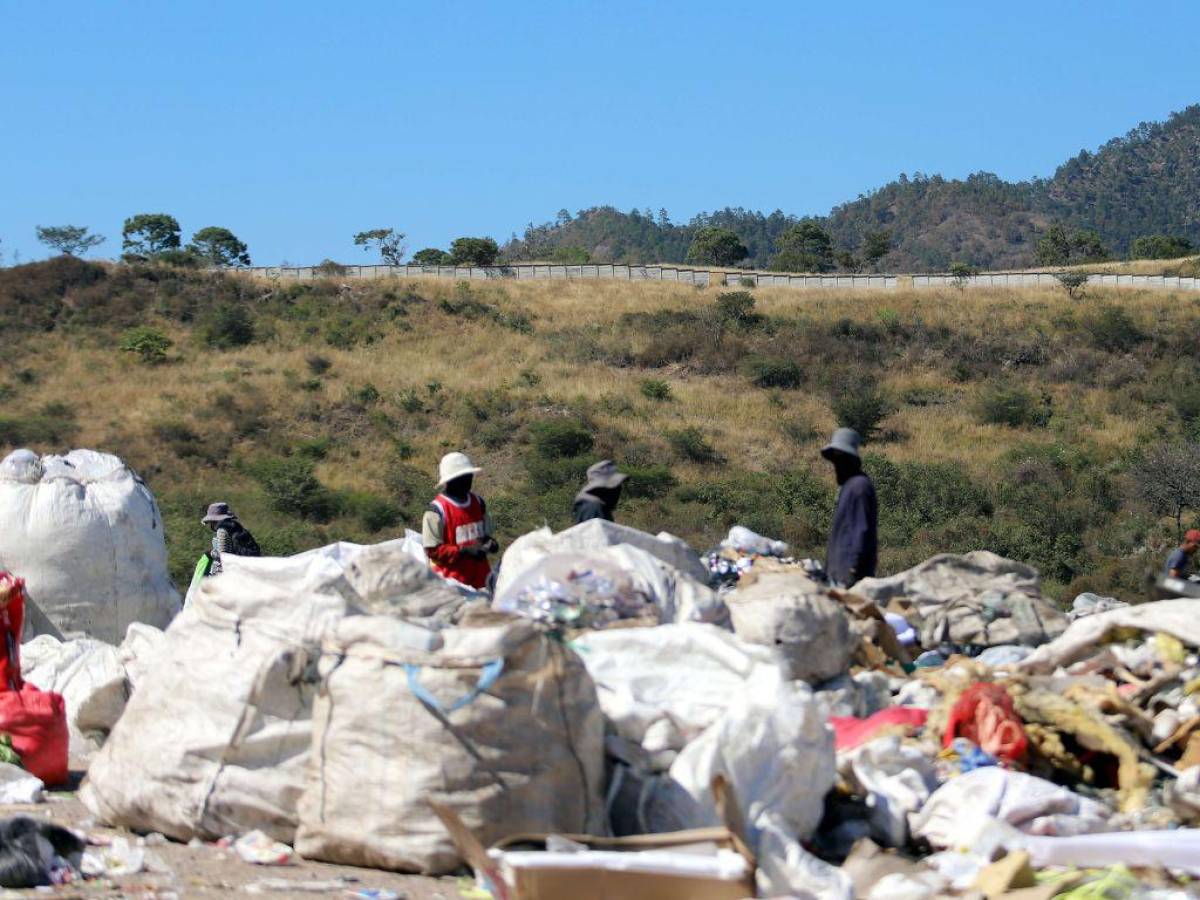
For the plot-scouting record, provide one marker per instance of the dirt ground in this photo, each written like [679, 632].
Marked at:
[180, 870]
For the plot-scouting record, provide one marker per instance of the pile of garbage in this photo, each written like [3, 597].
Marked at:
[613, 708]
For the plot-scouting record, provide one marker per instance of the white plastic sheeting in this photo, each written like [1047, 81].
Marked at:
[664, 686]
[1178, 618]
[1028, 803]
[91, 678]
[86, 535]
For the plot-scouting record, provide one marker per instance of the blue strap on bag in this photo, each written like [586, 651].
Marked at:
[488, 676]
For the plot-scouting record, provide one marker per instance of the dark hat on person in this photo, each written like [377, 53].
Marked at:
[844, 440]
[604, 474]
[217, 512]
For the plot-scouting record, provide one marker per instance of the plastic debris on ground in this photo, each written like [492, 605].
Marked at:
[258, 849]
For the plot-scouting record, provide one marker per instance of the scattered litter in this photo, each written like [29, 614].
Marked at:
[114, 861]
[260, 850]
[284, 885]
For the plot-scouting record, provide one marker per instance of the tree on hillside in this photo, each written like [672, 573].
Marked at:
[571, 256]
[473, 251]
[218, 246]
[714, 246]
[1057, 248]
[388, 241]
[431, 256]
[148, 234]
[805, 247]
[71, 240]
[876, 245]
[1168, 480]
[1160, 246]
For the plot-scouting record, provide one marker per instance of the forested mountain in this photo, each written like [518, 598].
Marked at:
[1147, 182]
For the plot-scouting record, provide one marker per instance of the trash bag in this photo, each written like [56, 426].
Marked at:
[498, 723]
[596, 534]
[622, 577]
[775, 751]
[36, 721]
[1030, 804]
[91, 678]
[216, 736]
[566, 589]
[978, 599]
[793, 614]
[896, 780]
[743, 540]
[662, 687]
[86, 535]
[137, 651]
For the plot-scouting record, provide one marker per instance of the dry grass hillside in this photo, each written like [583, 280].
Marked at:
[1025, 423]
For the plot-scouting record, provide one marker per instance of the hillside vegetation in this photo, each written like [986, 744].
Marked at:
[1144, 183]
[1025, 423]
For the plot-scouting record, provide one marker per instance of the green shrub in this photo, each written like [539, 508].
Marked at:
[560, 438]
[547, 474]
[346, 331]
[691, 444]
[768, 372]
[311, 385]
[528, 378]
[53, 425]
[229, 325]
[327, 268]
[1012, 405]
[648, 481]
[314, 448]
[367, 395]
[149, 344]
[736, 308]
[318, 365]
[374, 512]
[1113, 330]
[747, 282]
[411, 401]
[915, 496]
[889, 319]
[656, 389]
[292, 486]
[861, 407]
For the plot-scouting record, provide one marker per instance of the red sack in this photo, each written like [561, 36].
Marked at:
[12, 621]
[37, 722]
[985, 715]
[850, 732]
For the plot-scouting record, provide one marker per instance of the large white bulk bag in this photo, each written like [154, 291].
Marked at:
[86, 535]
[499, 723]
[216, 735]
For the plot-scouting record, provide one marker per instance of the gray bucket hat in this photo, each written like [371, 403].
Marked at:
[604, 474]
[217, 512]
[844, 440]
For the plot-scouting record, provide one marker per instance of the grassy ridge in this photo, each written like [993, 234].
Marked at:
[319, 410]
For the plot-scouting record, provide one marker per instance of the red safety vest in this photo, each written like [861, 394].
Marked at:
[463, 525]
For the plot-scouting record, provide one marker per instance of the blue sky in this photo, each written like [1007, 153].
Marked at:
[296, 124]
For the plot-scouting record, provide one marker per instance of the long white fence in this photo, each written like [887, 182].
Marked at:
[704, 277]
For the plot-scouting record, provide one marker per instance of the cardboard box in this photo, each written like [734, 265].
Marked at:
[700, 864]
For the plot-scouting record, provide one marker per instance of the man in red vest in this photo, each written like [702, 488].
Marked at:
[456, 531]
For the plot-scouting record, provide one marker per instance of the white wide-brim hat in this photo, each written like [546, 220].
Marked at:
[455, 465]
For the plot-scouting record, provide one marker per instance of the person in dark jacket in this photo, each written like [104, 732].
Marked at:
[229, 535]
[1179, 563]
[853, 539]
[601, 494]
